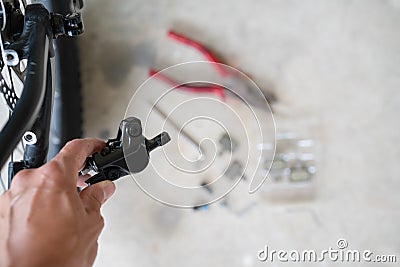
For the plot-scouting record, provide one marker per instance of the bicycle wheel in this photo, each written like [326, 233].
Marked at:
[67, 105]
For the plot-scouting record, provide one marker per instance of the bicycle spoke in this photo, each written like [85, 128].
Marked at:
[12, 154]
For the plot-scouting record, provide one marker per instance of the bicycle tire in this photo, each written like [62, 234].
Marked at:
[67, 106]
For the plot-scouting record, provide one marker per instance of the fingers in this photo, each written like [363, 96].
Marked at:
[74, 153]
[95, 195]
[92, 253]
[62, 171]
[82, 179]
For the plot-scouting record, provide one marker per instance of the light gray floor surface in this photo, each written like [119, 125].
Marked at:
[334, 65]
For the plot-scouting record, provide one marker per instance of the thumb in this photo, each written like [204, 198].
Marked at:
[95, 195]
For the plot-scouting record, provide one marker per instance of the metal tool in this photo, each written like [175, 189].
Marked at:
[242, 88]
[179, 129]
[129, 146]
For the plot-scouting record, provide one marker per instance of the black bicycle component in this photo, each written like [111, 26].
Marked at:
[129, 145]
[34, 108]
[35, 154]
[14, 168]
[15, 21]
[70, 25]
[34, 39]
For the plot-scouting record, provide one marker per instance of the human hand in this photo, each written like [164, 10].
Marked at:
[44, 221]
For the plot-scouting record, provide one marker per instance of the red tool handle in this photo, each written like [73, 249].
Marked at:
[196, 45]
[212, 89]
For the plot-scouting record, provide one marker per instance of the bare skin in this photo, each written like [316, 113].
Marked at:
[43, 219]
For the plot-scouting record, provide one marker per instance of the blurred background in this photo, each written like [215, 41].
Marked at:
[334, 68]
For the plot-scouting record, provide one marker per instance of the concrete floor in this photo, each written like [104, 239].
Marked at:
[335, 68]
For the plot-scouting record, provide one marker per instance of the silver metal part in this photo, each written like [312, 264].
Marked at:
[29, 138]
[11, 57]
[179, 129]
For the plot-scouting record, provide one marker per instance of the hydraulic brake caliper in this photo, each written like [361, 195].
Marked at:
[129, 146]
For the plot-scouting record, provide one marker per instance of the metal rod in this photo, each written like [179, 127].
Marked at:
[178, 128]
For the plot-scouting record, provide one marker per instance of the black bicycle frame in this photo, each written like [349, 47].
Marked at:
[33, 110]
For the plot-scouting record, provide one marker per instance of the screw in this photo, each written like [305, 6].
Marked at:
[135, 128]
[28, 137]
